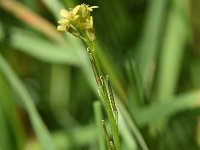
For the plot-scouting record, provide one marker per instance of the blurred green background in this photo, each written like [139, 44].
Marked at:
[149, 48]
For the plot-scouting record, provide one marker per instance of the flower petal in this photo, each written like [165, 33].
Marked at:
[64, 13]
[61, 28]
[92, 7]
[63, 21]
[76, 9]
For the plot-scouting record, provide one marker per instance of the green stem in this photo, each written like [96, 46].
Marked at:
[93, 52]
[111, 118]
[103, 93]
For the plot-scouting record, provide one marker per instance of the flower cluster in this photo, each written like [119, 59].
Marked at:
[78, 21]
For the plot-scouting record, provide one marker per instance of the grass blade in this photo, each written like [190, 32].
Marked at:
[132, 125]
[150, 41]
[166, 109]
[39, 48]
[16, 133]
[173, 49]
[38, 125]
[98, 120]
[29, 17]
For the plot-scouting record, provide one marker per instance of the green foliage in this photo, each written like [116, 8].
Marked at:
[149, 49]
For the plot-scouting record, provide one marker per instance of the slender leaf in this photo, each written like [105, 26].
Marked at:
[39, 48]
[38, 125]
[160, 111]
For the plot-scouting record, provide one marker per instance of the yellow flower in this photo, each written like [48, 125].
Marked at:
[77, 21]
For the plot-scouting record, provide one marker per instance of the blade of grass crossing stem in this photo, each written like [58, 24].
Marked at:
[41, 131]
[98, 119]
